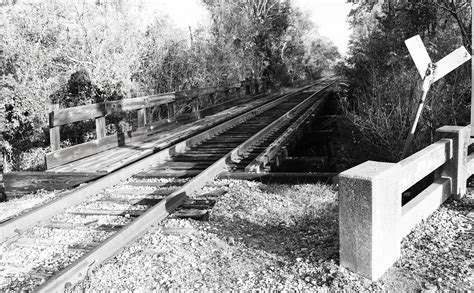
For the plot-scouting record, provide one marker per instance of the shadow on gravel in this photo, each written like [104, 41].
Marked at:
[308, 248]
[310, 239]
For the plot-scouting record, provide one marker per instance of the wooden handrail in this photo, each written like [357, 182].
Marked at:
[83, 113]
[59, 117]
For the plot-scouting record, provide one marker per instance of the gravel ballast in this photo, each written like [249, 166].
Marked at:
[284, 237]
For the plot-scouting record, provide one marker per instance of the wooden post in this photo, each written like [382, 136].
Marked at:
[100, 127]
[141, 116]
[264, 85]
[54, 135]
[226, 94]
[195, 104]
[171, 110]
[212, 99]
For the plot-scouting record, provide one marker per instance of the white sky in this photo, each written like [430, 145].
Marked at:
[328, 15]
[331, 18]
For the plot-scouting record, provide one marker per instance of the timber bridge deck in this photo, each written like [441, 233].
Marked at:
[138, 178]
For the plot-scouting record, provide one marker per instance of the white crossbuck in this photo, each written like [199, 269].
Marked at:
[430, 72]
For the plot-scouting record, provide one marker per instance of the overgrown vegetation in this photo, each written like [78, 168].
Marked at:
[78, 52]
[385, 86]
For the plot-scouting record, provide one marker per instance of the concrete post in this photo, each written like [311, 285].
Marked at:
[456, 169]
[369, 218]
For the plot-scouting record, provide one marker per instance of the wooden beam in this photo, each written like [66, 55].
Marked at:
[280, 177]
[86, 112]
[18, 184]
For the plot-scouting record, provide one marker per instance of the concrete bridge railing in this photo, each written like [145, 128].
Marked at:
[372, 220]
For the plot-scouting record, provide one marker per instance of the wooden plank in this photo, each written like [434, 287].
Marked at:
[66, 155]
[18, 184]
[168, 174]
[54, 131]
[92, 111]
[183, 165]
[287, 176]
[100, 127]
[102, 212]
[89, 162]
[76, 114]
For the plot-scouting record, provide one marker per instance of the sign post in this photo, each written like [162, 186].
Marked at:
[430, 73]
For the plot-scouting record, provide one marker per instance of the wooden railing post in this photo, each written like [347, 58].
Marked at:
[226, 94]
[141, 117]
[195, 104]
[456, 169]
[257, 86]
[171, 110]
[54, 131]
[100, 127]
[212, 99]
[238, 91]
[264, 85]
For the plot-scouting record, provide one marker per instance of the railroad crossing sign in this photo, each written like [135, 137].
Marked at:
[430, 73]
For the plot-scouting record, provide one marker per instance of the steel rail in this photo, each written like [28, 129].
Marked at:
[79, 269]
[42, 213]
[272, 150]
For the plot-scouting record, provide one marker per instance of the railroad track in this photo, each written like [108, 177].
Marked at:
[116, 209]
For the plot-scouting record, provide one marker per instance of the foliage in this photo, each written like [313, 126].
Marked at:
[78, 52]
[270, 38]
[386, 88]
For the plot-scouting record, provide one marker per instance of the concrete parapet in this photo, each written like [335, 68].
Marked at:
[422, 206]
[422, 163]
[372, 221]
[457, 168]
[369, 218]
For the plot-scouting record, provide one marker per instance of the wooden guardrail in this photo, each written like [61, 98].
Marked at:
[146, 125]
[372, 220]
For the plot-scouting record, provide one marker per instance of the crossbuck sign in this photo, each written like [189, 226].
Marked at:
[430, 72]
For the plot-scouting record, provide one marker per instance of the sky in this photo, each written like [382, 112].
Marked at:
[328, 15]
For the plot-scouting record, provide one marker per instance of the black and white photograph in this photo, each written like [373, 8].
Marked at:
[236, 145]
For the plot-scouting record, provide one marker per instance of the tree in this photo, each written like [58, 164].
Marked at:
[385, 87]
